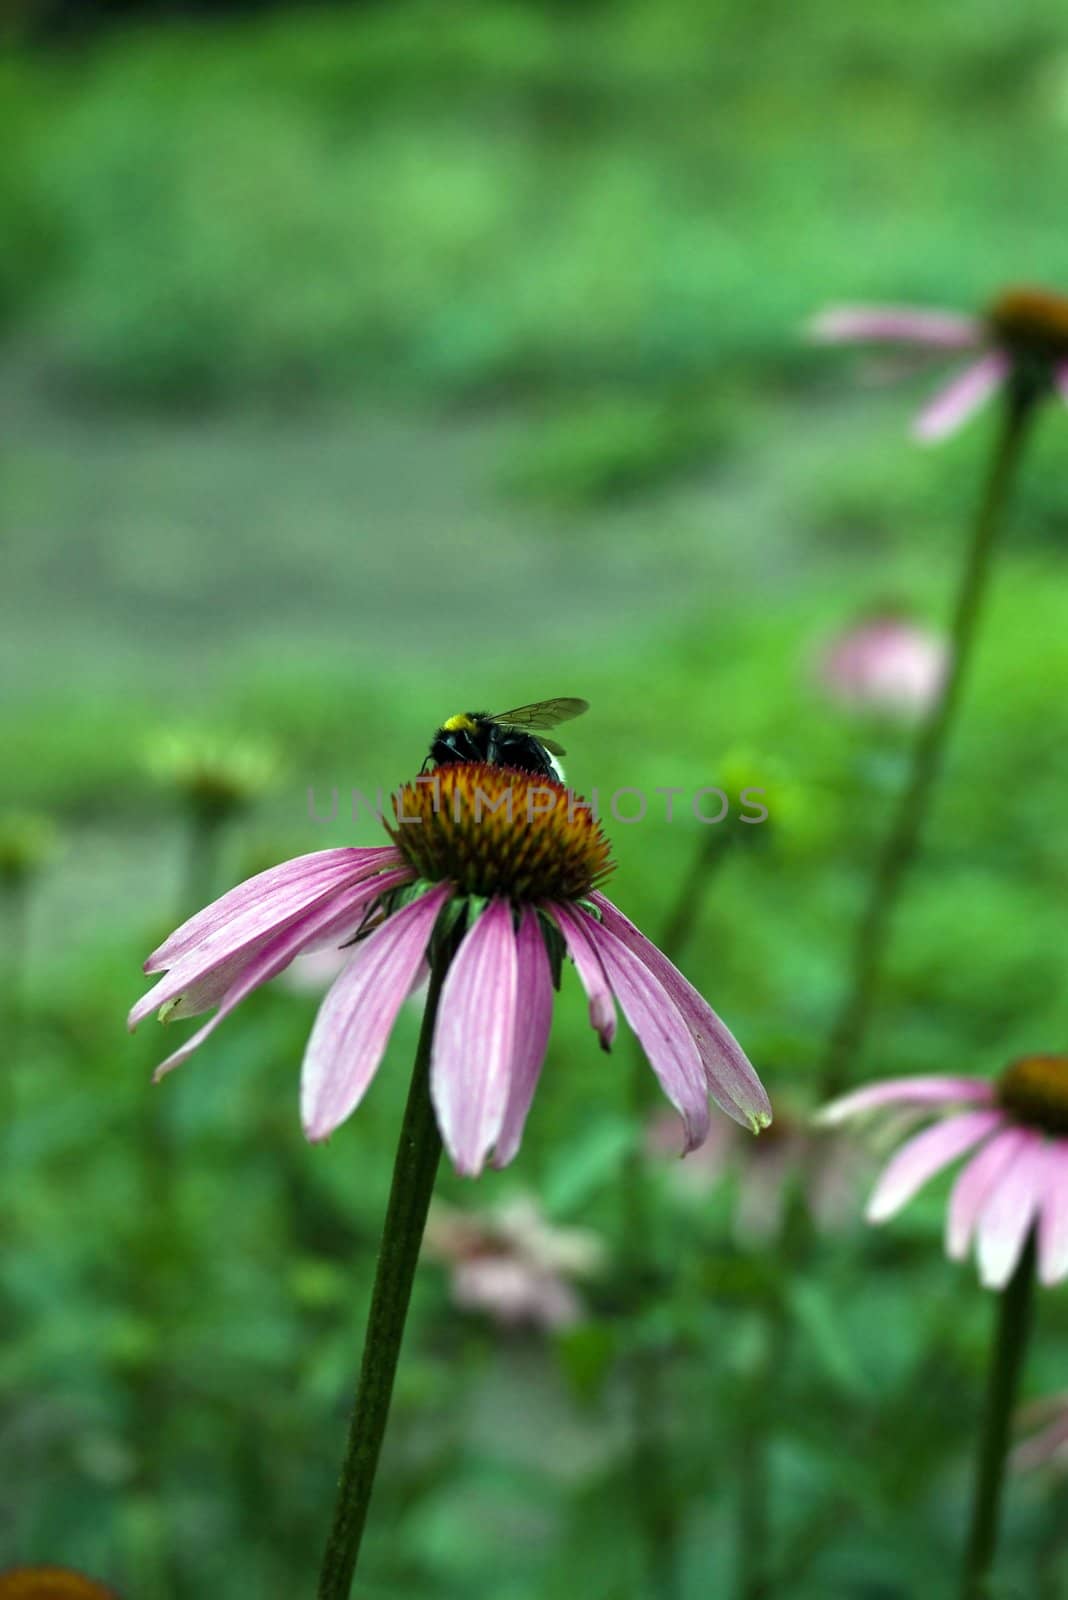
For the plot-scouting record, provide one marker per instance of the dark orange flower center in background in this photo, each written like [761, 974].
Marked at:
[1035, 1090]
[492, 830]
[1031, 322]
[50, 1583]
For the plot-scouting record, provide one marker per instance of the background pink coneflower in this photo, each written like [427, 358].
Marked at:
[885, 664]
[512, 1264]
[1022, 337]
[1014, 1131]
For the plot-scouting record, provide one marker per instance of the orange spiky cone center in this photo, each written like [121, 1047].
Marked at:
[493, 830]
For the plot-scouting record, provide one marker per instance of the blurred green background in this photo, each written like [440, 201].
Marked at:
[366, 362]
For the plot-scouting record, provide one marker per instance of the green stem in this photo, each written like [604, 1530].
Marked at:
[202, 859]
[654, 1502]
[1014, 1315]
[902, 839]
[712, 849]
[414, 1170]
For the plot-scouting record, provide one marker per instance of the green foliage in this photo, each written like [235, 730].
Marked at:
[370, 362]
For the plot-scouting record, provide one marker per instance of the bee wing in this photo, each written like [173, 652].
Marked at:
[543, 714]
[552, 746]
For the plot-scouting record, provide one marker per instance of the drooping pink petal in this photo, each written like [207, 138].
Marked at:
[591, 973]
[940, 330]
[924, 1155]
[533, 1016]
[973, 1187]
[1060, 381]
[919, 1091]
[474, 1040]
[275, 894]
[355, 1020]
[271, 959]
[961, 397]
[199, 979]
[661, 1031]
[1053, 1220]
[729, 1075]
[1009, 1213]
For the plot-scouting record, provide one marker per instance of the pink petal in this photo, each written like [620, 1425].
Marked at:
[199, 979]
[533, 1016]
[953, 405]
[474, 1041]
[942, 330]
[271, 959]
[591, 973]
[973, 1187]
[276, 894]
[1010, 1210]
[1060, 381]
[729, 1075]
[1053, 1222]
[661, 1031]
[355, 1020]
[920, 1091]
[924, 1155]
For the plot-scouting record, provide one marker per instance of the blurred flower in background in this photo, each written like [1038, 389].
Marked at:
[512, 1264]
[1047, 1444]
[885, 665]
[218, 777]
[50, 1583]
[827, 1167]
[28, 842]
[1015, 1182]
[1023, 337]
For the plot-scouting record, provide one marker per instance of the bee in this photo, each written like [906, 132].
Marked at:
[507, 739]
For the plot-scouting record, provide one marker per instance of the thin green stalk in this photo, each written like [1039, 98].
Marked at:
[902, 839]
[655, 1505]
[1014, 1315]
[414, 1171]
[202, 858]
[712, 849]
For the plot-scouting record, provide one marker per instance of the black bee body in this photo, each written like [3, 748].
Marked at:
[504, 740]
[474, 736]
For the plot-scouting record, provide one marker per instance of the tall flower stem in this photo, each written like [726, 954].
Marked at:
[902, 839]
[650, 1462]
[1010, 1343]
[712, 850]
[414, 1171]
[205, 830]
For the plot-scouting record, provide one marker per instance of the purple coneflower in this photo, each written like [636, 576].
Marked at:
[512, 1264]
[512, 890]
[1015, 1131]
[1012, 1198]
[492, 877]
[885, 664]
[1021, 338]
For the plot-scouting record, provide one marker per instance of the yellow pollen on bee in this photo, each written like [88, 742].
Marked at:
[461, 722]
[493, 830]
[1035, 1091]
